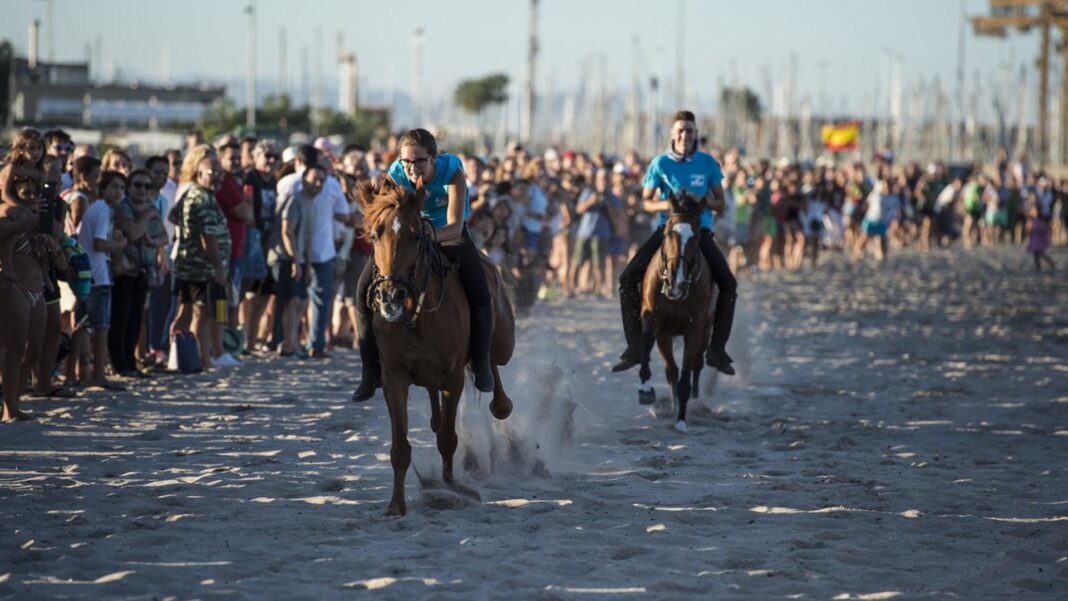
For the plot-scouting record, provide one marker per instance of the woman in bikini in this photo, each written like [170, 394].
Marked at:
[23, 280]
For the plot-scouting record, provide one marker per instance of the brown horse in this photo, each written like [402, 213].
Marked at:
[677, 301]
[422, 323]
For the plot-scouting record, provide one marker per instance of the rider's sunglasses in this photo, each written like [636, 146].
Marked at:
[415, 162]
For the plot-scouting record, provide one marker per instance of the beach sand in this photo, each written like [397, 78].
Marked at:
[895, 431]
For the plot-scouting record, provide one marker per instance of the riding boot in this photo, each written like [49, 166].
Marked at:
[630, 305]
[716, 356]
[371, 379]
[481, 337]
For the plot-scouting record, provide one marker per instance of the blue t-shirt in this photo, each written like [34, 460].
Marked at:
[695, 175]
[436, 203]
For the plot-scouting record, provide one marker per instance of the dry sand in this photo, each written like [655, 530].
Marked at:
[895, 432]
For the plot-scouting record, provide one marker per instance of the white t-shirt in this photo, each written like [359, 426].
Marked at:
[96, 225]
[331, 201]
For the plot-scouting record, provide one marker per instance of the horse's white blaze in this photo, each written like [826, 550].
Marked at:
[397, 225]
[680, 426]
[645, 387]
[685, 232]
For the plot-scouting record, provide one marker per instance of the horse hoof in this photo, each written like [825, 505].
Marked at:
[680, 426]
[435, 423]
[647, 397]
[500, 408]
[465, 491]
[396, 510]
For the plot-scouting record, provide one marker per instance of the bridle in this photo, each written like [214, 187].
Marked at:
[692, 274]
[427, 254]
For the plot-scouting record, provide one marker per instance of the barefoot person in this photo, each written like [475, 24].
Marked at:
[682, 168]
[447, 206]
[99, 238]
[21, 296]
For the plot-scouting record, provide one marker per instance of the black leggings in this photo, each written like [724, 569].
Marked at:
[472, 275]
[127, 301]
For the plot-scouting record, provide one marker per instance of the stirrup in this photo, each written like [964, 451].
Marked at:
[369, 384]
[627, 360]
[721, 361]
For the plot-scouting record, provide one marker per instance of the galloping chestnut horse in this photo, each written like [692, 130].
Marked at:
[422, 323]
[677, 301]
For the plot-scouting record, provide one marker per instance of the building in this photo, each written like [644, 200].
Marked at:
[62, 94]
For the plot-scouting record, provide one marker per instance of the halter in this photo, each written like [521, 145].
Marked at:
[431, 257]
[694, 270]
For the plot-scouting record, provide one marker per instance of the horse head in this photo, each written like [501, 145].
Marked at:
[680, 255]
[394, 226]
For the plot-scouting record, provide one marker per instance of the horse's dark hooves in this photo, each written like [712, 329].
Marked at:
[396, 510]
[500, 408]
[647, 397]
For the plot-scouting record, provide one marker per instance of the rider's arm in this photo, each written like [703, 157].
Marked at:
[653, 206]
[717, 202]
[454, 228]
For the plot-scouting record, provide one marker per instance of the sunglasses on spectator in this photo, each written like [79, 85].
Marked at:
[141, 186]
[63, 147]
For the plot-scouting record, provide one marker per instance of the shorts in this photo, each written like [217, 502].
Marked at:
[580, 250]
[617, 247]
[286, 286]
[202, 294]
[873, 228]
[98, 307]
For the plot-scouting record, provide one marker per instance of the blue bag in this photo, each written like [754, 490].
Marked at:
[184, 346]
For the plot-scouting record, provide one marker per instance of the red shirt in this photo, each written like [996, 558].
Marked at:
[228, 196]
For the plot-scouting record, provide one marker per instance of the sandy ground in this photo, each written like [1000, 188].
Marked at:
[895, 432]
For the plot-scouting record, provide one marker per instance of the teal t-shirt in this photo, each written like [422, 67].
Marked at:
[436, 203]
[695, 174]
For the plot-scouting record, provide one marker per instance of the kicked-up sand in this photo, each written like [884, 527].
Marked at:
[896, 431]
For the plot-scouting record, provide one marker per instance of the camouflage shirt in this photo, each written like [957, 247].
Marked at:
[198, 214]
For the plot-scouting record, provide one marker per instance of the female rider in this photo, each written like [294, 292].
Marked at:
[447, 207]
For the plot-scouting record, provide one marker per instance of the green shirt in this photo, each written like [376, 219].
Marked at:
[198, 214]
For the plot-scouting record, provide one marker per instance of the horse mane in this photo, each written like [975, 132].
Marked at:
[383, 200]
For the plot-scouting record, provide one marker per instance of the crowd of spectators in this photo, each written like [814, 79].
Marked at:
[245, 247]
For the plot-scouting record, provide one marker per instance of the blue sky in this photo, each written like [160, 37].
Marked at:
[844, 43]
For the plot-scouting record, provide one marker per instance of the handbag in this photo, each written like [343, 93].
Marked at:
[184, 348]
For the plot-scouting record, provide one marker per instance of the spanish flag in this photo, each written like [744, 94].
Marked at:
[840, 136]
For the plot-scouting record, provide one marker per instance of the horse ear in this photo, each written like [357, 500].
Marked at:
[365, 193]
[674, 202]
[420, 191]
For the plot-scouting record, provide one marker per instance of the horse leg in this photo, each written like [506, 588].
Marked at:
[646, 393]
[447, 439]
[671, 369]
[501, 405]
[395, 389]
[692, 360]
[435, 409]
